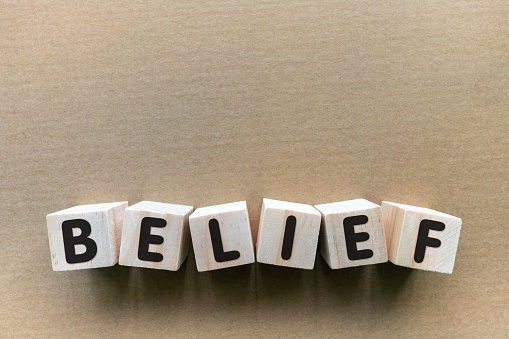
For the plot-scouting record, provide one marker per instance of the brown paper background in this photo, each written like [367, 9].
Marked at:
[208, 102]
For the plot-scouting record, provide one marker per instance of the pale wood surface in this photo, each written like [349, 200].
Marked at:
[271, 233]
[176, 234]
[235, 231]
[401, 224]
[203, 102]
[106, 228]
[332, 235]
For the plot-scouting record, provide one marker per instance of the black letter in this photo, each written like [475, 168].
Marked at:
[286, 252]
[70, 241]
[423, 240]
[353, 238]
[146, 239]
[217, 244]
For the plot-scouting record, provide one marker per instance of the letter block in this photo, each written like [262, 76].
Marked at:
[288, 234]
[221, 236]
[85, 236]
[420, 237]
[155, 235]
[352, 234]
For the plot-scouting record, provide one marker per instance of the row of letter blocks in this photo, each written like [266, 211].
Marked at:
[348, 233]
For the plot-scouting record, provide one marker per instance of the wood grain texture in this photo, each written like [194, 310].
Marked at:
[332, 235]
[235, 233]
[271, 233]
[106, 227]
[176, 236]
[402, 223]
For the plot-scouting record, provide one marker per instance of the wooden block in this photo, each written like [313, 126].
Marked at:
[352, 234]
[86, 236]
[155, 235]
[221, 236]
[288, 234]
[420, 237]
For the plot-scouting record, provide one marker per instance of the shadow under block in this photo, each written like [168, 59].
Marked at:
[86, 236]
[288, 234]
[352, 234]
[155, 235]
[221, 236]
[420, 237]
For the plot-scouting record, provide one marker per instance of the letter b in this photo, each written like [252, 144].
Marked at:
[85, 236]
[70, 241]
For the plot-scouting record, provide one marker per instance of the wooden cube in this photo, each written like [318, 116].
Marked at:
[352, 234]
[155, 235]
[86, 236]
[420, 237]
[288, 234]
[221, 236]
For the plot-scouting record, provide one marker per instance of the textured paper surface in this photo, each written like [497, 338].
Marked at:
[209, 102]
